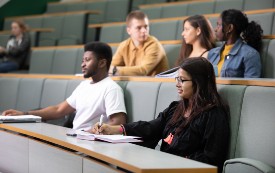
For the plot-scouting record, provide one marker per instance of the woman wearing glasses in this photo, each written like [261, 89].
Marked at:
[195, 127]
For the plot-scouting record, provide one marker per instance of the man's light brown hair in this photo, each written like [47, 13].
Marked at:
[139, 15]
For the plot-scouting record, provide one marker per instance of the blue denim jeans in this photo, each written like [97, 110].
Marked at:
[8, 66]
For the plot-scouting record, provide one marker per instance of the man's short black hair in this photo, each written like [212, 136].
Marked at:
[101, 51]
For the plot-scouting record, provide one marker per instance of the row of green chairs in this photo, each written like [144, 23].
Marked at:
[68, 29]
[207, 7]
[136, 3]
[54, 60]
[110, 10]
[67, 60]
[168, 30]
[101, 5]
[266, 20]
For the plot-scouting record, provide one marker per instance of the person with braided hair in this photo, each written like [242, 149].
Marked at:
[239, 55]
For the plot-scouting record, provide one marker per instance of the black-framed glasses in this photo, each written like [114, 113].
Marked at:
[179, 80]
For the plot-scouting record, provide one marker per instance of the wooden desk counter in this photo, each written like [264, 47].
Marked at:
[219, 80]
[128, 156]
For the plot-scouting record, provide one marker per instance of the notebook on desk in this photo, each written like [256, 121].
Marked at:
[171, 73]
[107, 138]
[20, 119]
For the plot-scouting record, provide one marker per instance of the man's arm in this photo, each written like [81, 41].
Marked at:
[51, 112]
[117, 59]
[117, 118]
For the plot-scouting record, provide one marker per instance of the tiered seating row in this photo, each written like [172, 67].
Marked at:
[68, 28]
[111, 10]
[71, 28]
[99, 5]
[171, 28]
[176, 9]
[67, 59]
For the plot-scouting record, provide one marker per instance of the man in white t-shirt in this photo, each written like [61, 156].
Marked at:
[92, 98]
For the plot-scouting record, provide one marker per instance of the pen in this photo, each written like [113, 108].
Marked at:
[101, 120]
[71, 134]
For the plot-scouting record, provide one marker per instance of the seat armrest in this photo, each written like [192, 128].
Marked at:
[254, 164]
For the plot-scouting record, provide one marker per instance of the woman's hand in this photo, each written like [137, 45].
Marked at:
[105, 129]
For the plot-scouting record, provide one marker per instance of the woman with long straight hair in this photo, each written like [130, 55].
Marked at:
[197, 39]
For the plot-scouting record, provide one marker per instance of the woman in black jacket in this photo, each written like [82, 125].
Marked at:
[17, 50]
[196, 127]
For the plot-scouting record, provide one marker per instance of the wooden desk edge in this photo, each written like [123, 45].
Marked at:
[172, 3]
[226, 81]
[164, 42]
[30, 30]
[103, 157]
[71, 146]
[75, 1]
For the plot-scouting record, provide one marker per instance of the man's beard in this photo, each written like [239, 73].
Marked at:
[91, 73]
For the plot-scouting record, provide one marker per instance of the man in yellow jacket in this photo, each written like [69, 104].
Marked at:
[141, 54]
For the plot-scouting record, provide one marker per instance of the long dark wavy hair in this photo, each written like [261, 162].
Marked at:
[250, 32]
[207, 38]
[205, 95]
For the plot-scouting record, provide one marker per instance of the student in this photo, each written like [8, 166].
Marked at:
[239, 55]
[17, 50]
[92, 98]
[196, 127]
[198, 39]
[141, 54]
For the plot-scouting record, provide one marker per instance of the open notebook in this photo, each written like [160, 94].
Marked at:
[20, 119]
[171, 73]
[107, 138]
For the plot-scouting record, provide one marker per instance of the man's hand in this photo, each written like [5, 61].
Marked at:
[12, 112]
[113, 71]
